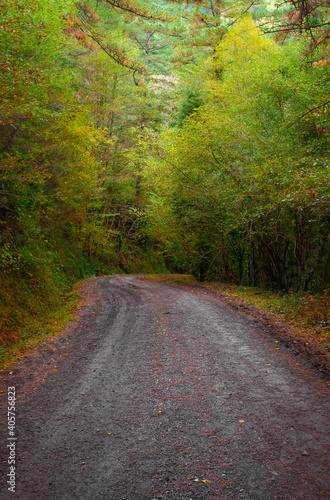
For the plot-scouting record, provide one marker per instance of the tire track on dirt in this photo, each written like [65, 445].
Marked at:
[167, 393]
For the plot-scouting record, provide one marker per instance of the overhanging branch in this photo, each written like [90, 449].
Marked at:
[125, 6]
[307, 112]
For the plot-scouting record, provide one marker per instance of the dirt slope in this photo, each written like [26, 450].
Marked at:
[162, 392]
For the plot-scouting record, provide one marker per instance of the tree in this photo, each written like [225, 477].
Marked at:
[249, 167]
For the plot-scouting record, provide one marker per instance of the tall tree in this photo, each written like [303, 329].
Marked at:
[248, 169]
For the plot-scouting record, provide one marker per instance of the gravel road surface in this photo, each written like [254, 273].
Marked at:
[162, 392]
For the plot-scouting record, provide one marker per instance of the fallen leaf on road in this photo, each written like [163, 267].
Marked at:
[74, 468]
[242, 421]
[205, 481]
[175, 340]
[304, 453]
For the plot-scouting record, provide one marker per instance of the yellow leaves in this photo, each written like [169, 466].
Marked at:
[242, 421]
[243, 42]
[243, 53]
[206, 481]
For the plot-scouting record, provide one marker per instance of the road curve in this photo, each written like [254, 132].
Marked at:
[162, 392]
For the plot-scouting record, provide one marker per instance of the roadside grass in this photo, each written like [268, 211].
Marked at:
[41, 328]
[36, 303]
[309, 314]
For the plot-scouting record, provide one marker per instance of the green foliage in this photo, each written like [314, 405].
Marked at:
[143, 136]
[247, 172]
[52, 190]
[188, 106]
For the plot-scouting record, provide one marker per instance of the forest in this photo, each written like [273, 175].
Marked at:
[141, 136]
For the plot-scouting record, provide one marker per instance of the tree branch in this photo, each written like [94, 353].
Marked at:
[309, 111]
[114, 57]
[128, 8]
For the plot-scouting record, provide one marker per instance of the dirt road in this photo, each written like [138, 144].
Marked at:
[161, 392]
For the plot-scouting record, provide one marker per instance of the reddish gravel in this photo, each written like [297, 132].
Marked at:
[164, 392]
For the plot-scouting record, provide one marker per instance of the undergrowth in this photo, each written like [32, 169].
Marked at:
[37, 289]
[37, 330]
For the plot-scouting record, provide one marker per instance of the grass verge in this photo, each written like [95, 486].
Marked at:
[309, 314]
[39, 330]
